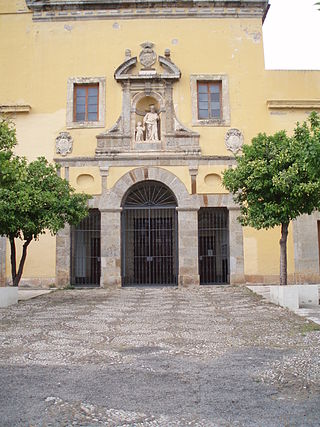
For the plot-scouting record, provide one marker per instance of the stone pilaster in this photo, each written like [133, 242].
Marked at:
[110, 248]
[236, 248]
[306, 248]
[193, 171]
[63, 257]
[3, 245]
[188, 247]
[104, 172]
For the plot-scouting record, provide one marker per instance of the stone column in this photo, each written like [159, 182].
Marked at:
[63, 257]
[3, 246]
[236, 248]
[188, 246]
[110, 248]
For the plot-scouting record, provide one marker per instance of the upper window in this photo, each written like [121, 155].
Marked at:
[86, 102]
[86, 107]
[210, 100]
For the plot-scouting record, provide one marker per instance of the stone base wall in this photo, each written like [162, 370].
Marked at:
[273, 279]
[38, 283]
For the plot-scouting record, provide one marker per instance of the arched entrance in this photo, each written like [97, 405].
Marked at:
[149, 235]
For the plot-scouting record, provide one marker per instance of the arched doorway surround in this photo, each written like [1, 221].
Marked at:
[149, 244]
[111, 210]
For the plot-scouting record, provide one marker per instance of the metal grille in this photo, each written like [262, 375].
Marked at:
[213, 246]
[85, 251]
[149, 236]
[150, 193]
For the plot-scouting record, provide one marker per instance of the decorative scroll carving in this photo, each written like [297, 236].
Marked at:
[234, 140]
[64, 143]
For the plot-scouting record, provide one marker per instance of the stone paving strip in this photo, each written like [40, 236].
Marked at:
[205, 356]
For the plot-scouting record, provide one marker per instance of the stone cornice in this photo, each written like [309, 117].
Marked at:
[46, 10]
[39, 5]
[178, 160]
[296, 104]
[15, 108]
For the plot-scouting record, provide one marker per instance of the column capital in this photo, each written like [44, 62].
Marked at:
[187, 209]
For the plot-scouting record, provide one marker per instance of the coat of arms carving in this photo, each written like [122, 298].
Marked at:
[234, 140]
[147, 56]
[64, 143]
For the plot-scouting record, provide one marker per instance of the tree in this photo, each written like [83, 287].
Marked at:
[33, 199]
[277, 179]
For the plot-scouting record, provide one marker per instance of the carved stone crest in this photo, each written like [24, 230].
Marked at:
[147, 56]
[64, 143]
[234, 140]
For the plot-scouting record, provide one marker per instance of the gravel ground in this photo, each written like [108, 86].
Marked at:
[208, 356]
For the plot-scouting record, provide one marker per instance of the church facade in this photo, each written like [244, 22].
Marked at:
[144, 105]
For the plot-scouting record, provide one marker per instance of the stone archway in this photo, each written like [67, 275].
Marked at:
[149, 244]
[111, 207]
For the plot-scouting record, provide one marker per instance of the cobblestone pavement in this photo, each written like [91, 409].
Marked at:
[208, 356]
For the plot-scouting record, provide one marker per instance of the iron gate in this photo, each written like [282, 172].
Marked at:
[213, 229]
[149, 236]
[85, 251]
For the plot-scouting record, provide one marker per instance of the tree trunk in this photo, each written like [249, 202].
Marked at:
[283, 254]
[13, 259]
[16, 276]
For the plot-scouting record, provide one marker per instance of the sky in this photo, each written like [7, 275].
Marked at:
[291, 35]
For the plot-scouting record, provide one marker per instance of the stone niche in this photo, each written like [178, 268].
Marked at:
[148, 122]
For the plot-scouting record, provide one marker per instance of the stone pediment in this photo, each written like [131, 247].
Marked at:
[170, 70]
[148, 121]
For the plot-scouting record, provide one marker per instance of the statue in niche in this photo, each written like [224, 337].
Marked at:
[150, 121]
[139, 132]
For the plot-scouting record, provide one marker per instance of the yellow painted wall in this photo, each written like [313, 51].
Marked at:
[262, 251]
[39, 57]
[46, 54]
[41, 258]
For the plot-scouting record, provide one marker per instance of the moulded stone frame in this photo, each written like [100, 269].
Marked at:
[223, 78]
[72, 81]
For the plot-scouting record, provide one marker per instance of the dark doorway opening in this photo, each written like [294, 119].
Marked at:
[213, 229]
[149, 236]
[85, 251]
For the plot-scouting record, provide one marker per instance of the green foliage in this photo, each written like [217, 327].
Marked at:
[39, 200]
[278, 177]
[8, 139]
[33, 198]
[9, 164]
